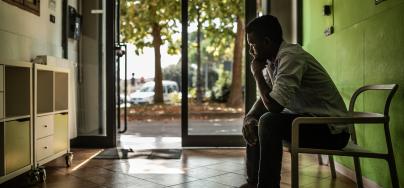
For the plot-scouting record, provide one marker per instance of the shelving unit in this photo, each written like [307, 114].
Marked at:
[51, 112]
[16, 146]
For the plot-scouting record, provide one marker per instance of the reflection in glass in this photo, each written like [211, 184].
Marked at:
[215, 56]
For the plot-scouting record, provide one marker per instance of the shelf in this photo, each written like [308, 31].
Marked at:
[44, 90]
[16, 118]
[44, 114]
[17, 83]
[61, 112]
[1, 77]
[61, 91]
[2, 170]
[1, 105]
[61, 126]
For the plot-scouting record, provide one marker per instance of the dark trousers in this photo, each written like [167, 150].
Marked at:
[264, 160]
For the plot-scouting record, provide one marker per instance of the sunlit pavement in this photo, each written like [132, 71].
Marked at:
[167, 134]
[172, 128]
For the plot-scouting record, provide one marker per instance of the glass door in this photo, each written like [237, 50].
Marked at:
[96, 86]
[213, 69]
[148, 73]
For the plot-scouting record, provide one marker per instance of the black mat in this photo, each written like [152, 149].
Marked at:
[120, 153]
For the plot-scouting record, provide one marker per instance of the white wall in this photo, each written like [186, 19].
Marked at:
[24, 35]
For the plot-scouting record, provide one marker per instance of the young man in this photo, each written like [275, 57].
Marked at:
[291, 84]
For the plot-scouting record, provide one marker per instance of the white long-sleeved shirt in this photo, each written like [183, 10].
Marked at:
[302, 85]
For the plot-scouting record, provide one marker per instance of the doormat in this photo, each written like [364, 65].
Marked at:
[120, 153]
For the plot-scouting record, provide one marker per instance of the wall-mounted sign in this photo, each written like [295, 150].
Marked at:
[52, 5]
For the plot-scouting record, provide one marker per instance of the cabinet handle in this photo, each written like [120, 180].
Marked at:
[23, 119]
[46, 147]
[46, 126]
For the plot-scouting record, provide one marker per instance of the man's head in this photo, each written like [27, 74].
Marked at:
[264, 35]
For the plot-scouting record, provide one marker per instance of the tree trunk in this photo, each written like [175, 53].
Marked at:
[158, 76]
[199, 92]
[236, 99]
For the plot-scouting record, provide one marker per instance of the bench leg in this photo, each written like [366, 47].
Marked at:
[332, 166]
[393, 173]
[358, 172]
[295, 170]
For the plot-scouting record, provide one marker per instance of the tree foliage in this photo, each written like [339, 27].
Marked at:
[151, 23]
[224, 29]
[137, 18]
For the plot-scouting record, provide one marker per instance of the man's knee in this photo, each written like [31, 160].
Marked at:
[270, 119]
[270, 129]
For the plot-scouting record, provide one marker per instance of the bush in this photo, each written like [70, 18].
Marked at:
[175, 97]
[221, 89]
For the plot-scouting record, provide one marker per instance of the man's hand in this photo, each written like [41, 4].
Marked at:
[250, 131]
[257, 66]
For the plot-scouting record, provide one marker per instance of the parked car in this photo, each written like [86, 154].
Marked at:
[145, 95]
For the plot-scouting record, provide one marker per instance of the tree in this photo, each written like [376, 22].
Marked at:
[223, 16]
[196, 11]
[151, 23]
[173, 72]
[219, 18]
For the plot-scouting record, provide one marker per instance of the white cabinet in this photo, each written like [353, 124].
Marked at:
[44, 148]
[33, 130]
[16, 130]
[44, 126]
[51, 112]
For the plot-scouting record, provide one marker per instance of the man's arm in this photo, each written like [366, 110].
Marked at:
[251, 121]
[269, 103]
[257, 110]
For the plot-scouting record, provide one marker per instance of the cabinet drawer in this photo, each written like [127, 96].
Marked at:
[61, 132]
[44, 126]
[1, 77]
[1, 105]
[17, 145]
[44, 147]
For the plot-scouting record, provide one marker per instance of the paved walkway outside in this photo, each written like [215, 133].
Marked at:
[172, 128]
[167, 133]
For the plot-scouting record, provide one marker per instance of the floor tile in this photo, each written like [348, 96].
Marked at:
[230, 179]
[201, 184]
[137, 184]
[339, 182]
[66, 181]
[165, 179]
[204, 172]
[227, 166]
[203, 168]
[116, 178]
[321, 171]
[303, 180]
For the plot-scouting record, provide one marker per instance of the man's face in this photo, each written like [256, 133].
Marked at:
[258, 48]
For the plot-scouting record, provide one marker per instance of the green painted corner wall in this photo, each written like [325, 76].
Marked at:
[367, 47]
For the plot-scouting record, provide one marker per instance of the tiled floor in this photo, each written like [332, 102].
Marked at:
[204, 168]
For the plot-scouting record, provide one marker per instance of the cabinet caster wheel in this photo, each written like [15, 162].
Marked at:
[37, 175]
[33, 177]
[69, 159]
[42, 174]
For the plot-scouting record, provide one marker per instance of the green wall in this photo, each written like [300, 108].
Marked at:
[367, 47]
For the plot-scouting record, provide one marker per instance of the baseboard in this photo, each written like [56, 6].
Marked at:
[367, 183]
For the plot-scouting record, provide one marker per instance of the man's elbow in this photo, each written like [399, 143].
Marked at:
[274, 106]
[278, 109]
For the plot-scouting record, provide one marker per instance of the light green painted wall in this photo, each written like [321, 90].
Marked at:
[366, 48]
